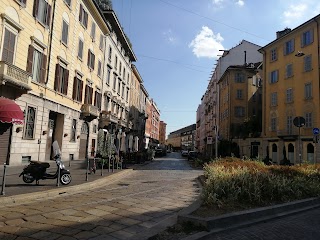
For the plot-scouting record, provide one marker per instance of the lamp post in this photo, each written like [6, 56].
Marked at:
[299, 122]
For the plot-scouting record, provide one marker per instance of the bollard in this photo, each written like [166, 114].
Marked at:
[113, 164]
[109, 159]
[58, 179]
[87, 170]
[102, 163]
[4, 179]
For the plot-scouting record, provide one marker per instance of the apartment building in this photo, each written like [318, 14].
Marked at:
[183, 139]
[154, 120]
[243, 53]
[291, 90]
[240, 110]
[144, 115]
[56, 49]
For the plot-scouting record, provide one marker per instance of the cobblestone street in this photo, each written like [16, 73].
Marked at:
[129, 208]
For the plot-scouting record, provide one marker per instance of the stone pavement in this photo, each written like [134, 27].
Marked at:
[135, 205]
[15, 186]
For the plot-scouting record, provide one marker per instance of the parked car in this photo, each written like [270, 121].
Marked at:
[193, 155]
[184, 153]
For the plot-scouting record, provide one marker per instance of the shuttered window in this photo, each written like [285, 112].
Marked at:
[83, 16]
[77, 89]
[65, 32]
[36, 64]
[9, 43]
[80, 49]
[97, 99]
[88, 95]
[42, 11]
[91, 59]
[61, 79]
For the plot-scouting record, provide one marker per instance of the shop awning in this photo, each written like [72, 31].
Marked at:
[10, 112]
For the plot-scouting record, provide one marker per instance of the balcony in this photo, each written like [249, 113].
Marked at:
[13, 76]
[107, 117]
[89, 112]
[123, 122]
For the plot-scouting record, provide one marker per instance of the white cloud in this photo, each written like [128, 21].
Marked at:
[169, 36]
[223, 3]
[206, 43]
[294, 13]
[240, 3]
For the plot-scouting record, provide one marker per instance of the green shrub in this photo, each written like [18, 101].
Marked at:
[234, 181]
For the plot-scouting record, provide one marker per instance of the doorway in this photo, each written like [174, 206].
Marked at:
[83, 141]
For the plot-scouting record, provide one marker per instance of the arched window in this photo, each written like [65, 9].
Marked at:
[291, 153]
[310, 153]
[274, 153]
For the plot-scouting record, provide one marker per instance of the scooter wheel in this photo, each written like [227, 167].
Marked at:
[65, 179]
[27, 178]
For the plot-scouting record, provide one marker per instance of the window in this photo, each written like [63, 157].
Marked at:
[120, 68]
[289, 70]
[91, 58]
[239, 111]
[289, 47]
[308, 91]
[77, 88]
[127, 95]
[83, 17]
[308, 120]
[239, 77]
[42, 11]
[80, 49]
[106, 103]
[273, 124]
[274, 99]
[239, 94]
[116, 63]
[9, 44]
[108, 76]
[61, 79]
[128, 78]
[65, 30]
[289, 95]
[36, 64]
[119, 87]
[101, 43]
[88, 95]
[99, 69]
[124, 73]
[73, 130]
[273, 55]
[307, 38]
[30, 123]
[307, 63]
[122, 92]
[114, 82]
[93, 31]
[110, 53]
[274, 76]
[97, 99]
[22, 2]
[68, 2]
[289, 124]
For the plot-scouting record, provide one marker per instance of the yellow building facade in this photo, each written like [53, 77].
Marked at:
[291, 91]
[58, 48]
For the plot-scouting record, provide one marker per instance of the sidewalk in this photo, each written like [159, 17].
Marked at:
[16, 190]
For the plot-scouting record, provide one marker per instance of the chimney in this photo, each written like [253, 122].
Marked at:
[283, 32]
[245, 58]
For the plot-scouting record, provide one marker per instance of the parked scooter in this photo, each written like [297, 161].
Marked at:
[38, 170]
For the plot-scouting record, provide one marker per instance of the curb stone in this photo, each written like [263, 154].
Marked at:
[58, 192]
[245, 218]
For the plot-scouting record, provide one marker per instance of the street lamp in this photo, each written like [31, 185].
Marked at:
[299, 122]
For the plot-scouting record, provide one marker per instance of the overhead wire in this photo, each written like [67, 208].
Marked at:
[224, 24]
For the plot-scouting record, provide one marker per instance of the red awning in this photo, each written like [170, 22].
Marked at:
[10, 112]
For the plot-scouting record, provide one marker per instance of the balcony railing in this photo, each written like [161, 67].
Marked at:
[108, 117]
[88, 110]
[16, 77]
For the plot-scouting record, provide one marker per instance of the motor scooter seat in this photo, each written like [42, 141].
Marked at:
[42, 164]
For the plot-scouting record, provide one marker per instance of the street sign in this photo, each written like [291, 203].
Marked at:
[315, 131]
[299, 121]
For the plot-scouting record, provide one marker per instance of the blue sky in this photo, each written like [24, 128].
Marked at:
[177, 42]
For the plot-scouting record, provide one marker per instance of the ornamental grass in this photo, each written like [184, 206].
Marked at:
[232, 181]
